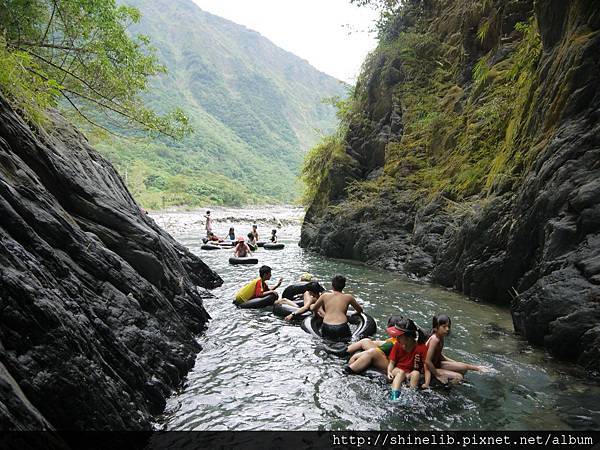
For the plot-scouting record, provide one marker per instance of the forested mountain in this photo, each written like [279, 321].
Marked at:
[255, 109]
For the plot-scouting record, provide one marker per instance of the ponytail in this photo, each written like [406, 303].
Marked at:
[422, 336]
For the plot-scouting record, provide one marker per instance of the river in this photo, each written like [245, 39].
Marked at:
[257, 372]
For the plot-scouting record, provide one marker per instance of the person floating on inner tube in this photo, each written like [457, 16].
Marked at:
[407, 358]
[241, 249]
[369, 353]
[273, 237]
[335, 322]
[310, 296]
[251, 241]
[258, 287]
[213, 237]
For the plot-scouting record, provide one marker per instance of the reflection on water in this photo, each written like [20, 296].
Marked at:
[257, 372]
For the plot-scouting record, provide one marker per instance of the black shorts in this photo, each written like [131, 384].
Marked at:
[339, 332]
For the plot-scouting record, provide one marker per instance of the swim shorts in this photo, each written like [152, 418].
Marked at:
[339, 332]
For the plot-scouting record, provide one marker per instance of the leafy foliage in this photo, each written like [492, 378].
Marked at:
[459, 139]
[79, 51]
[255, 110]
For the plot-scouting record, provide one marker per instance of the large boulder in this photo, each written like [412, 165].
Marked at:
[98, 305]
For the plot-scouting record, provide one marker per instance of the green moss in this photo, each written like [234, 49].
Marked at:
[457, 141]
[319, 161]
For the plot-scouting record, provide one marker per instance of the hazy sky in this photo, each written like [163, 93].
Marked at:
[332, 35]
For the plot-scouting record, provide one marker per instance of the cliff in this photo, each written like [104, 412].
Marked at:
[470, 156]
[98, 305]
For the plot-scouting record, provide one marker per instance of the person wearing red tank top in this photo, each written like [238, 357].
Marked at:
[407, 358]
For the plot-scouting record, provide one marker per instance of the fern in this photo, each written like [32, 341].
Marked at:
[483, 30]
[481, 71]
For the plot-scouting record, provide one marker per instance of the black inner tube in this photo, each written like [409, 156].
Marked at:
[365, 326]
[257, 302]
[243, 260]
[284, 310]
[300, 288]
[269, 246]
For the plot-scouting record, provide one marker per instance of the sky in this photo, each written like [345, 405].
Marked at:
[332, 35]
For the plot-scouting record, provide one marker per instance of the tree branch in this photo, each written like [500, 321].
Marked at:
[53, 46]
[49, 22]
[87, 119]
[117, 111]
[66, 72]
[115, 107]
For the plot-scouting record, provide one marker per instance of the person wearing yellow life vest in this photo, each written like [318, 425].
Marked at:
[258, 287]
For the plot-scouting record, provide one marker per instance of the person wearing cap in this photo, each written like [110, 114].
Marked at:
[309, 297]
[372, 353]
[407, 358]
[258, 287]
[241, 249]
[335, 304]
[208, 225]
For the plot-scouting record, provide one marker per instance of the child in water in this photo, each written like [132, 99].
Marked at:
[231, 234]
[251, 241]
[369, 353]
[443, 368]
[273, 237]
[407, 358]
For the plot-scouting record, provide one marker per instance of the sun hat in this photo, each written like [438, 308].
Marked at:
[306, 277]
[239, 239]
[395, 331]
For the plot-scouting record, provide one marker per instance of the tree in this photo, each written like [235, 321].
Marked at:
[78, 53]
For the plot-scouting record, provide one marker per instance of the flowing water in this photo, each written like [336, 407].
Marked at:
[257, 372]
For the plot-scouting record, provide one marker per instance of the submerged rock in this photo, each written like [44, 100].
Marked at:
[99, 306]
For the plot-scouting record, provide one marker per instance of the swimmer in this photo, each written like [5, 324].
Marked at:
[251, 241]
[335, 321]
[241, 249]
[407, 358]
[444, 369]
[369, 353]
[258, 287]
[231, 234]
[309, 297]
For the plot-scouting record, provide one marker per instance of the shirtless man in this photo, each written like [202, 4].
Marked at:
[336, 303]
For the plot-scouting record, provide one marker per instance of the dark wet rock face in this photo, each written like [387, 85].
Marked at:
[532, 241]
[98, 305]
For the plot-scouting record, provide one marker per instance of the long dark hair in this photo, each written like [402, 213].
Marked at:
[393, 320]
[411, 330]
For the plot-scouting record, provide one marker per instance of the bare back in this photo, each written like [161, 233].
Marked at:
[336, 306]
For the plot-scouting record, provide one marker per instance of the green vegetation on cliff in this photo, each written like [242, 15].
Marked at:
[79, 53]
[463, 115]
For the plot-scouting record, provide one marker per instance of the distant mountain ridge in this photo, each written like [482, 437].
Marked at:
[256, 109]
